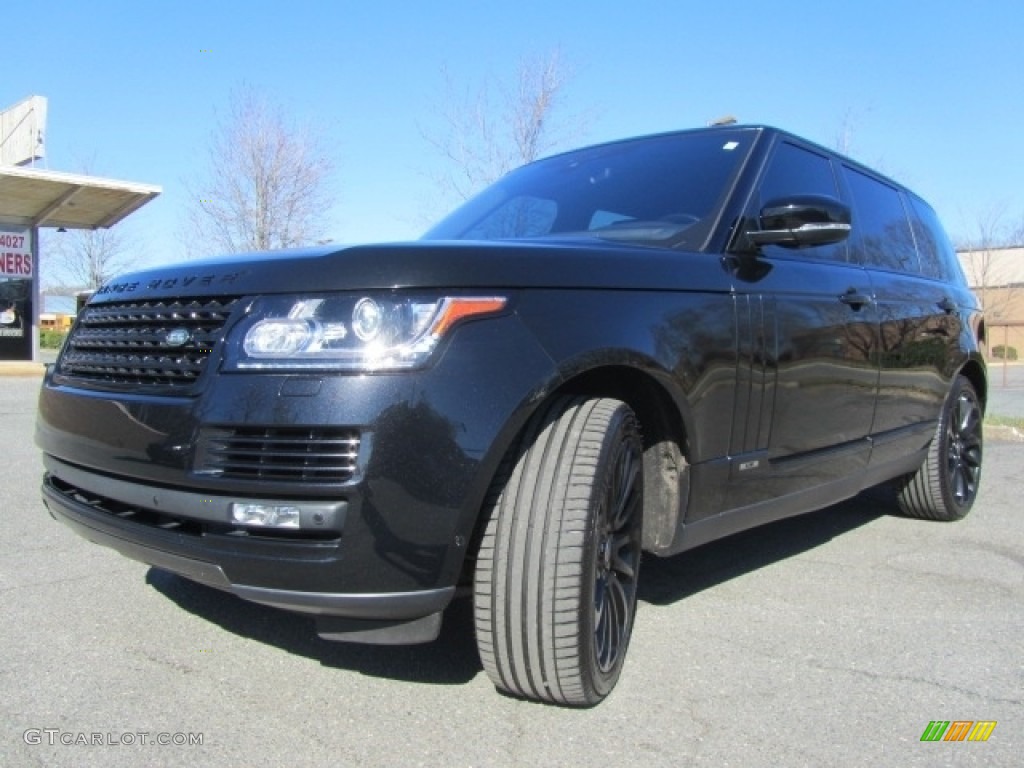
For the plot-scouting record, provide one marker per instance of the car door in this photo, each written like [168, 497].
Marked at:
[918, 315]
[812, 328]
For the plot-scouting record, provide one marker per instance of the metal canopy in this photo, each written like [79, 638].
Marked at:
[32, 197]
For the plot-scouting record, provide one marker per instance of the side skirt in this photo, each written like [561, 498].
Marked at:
[704, 530]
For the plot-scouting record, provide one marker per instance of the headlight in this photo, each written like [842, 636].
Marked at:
[349, 331]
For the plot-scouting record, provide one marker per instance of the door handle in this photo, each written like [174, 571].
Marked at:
[854, 299]
[947, 305]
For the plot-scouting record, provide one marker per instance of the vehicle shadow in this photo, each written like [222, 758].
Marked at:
[452, 659]
[666, 580]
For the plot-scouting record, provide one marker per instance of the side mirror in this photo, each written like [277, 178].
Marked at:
[802, 220]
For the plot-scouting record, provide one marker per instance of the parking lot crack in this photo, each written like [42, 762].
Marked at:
[988, 698]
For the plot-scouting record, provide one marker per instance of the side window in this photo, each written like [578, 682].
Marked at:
[793, 170]
[938, 257]
[881, 229]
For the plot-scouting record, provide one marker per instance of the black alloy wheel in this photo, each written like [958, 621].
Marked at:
[556, 574]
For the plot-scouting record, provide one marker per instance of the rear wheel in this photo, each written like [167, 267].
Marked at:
[946, 485]
[556, 575]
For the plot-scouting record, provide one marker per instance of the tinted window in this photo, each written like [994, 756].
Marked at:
[522, 216]
[655, 190]
[881, 230]
[938, 257]
[794, 170]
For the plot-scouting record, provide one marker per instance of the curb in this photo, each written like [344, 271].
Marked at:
[1001, 432]
[18, 368]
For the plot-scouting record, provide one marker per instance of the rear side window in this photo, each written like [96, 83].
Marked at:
[882, 237]
[938, 257]
[794, 170]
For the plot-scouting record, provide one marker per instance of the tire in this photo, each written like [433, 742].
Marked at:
[946, 485]
[556, 572]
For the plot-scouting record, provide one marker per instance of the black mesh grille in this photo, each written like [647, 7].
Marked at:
[152, 518]
[133, 344]
[283, 454]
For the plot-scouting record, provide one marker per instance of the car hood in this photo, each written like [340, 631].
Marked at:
[569, 263]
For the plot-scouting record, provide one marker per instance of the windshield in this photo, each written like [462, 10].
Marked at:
[661, 190]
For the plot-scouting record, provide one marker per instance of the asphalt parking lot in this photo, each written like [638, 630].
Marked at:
[829, 640]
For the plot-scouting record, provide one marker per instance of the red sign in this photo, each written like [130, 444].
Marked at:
[16, 254]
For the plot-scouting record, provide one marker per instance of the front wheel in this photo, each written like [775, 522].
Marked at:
[556, 574]
[946, 485]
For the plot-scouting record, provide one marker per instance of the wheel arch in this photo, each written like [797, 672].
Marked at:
[663, 427]
[664, 434]
[975, 373]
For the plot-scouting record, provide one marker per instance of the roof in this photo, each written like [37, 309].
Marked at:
[35, 197]
[993, 267]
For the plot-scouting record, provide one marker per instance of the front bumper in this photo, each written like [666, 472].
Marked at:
[412, 616]
[153, 477]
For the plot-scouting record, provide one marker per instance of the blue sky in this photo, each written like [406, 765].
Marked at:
[933, 93]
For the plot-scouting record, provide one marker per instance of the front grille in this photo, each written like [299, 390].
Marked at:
[283, 454]
[148, 517]
[132, 344]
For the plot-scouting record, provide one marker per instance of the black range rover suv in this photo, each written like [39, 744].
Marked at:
[635, 347]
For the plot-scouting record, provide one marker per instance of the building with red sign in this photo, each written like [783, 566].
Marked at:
[35, 198]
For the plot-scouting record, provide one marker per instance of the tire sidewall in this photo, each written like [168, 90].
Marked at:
[957, 510]
[621, 435]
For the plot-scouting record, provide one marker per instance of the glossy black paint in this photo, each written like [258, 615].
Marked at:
[768, 382]
[802, 220]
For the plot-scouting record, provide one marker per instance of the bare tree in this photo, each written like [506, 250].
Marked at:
[847, 129]
[85, 259]
[1017, 233]
[267, 182]
[487, 132]
[986, 261]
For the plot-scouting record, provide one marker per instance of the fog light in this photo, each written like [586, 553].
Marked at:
[266, 515]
